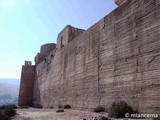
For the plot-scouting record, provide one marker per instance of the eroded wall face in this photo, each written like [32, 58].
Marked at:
[130, 56]
[116, 59]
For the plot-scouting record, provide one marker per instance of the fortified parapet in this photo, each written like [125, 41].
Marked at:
[47, 48]
[39, 57]
[67, 35]
[44, 51]
[26, 86]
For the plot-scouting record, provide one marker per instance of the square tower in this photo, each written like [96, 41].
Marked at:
[67, 35]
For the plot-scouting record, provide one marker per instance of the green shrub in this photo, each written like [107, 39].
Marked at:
[158, 118]
[10, 112]
[2, 107]
[4, 117]
[119, 109]
[99, 109]
[7, 112]
[60, 110]
[67, 106]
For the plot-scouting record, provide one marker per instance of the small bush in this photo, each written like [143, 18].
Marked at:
[2, 107]
[9, 112]
[119, 109]
[158, 118]
[6, 112]
[4, 117]
[60, 106]
[99, 109]
[60, 110]
[67, 106]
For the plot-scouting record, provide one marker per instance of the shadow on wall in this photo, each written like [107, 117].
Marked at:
[36, 96]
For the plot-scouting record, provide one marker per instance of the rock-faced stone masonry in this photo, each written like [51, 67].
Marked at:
[116, 59]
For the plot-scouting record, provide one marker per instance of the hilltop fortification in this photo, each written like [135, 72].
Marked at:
[118, 58]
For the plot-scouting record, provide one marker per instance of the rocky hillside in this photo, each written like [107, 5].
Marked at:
[9, 90]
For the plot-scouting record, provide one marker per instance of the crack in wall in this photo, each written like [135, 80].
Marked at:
[153, 59]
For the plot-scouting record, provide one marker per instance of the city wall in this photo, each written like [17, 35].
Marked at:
[116, 59]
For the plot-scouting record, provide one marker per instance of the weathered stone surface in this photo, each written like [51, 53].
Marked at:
[120, 2]
[115, 59]
[44, 52]
[26, 86]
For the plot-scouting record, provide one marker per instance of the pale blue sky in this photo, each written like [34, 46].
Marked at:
[27, 24]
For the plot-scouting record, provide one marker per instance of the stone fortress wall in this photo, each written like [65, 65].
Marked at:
[116, 59]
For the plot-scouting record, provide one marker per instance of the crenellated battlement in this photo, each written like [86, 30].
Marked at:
[28, 63]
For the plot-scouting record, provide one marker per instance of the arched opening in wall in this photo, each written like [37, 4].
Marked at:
[62, 44]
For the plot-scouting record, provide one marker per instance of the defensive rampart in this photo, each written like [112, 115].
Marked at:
[116, 59]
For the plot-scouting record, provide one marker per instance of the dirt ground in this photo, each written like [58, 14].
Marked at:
[68, 114]
[51, 114]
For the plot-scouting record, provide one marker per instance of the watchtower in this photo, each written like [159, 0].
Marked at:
[26, 86]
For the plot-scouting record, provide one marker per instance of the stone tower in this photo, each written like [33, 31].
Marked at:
[67, 35]
[26, 86]
[44, 52]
